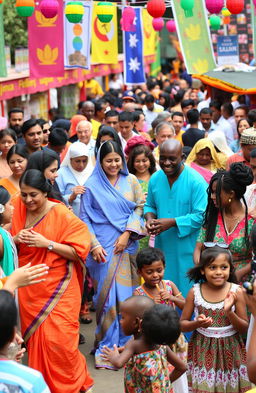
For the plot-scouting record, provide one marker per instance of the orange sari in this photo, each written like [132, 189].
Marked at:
[49, 310]
[9, 186]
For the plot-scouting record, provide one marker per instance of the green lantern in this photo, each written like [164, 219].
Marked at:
[74, 11]
[105, 11]
[215, 22]
[187, 6]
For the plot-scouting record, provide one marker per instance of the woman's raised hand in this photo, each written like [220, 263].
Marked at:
[99, 254]
[34, 239]
[78, 190]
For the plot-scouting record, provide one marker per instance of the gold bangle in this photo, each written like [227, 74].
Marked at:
[178, 294]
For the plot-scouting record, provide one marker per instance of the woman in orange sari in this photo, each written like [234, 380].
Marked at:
[46, 231]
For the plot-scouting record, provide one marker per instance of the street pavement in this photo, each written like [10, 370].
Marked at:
[105, 381]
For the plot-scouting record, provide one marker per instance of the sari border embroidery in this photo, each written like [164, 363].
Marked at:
[50, 304]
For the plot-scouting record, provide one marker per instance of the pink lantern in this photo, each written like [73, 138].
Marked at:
[214, 6]
[254, 3]
[49, 8]
[158, 24]
[128, 17]
[171, 26]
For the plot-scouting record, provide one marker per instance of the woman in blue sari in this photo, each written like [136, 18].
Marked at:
[112, 207]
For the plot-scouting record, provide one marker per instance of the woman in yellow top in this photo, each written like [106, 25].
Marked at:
[17, 158]
[204, 159]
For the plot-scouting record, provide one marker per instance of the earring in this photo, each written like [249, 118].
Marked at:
[230, 200]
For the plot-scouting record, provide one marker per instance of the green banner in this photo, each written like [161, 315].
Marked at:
[3, 71]
[253, 22]
[155, 67]
[194, 38]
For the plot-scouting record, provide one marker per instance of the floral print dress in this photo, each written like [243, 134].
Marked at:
[148, 372]
[216, 355]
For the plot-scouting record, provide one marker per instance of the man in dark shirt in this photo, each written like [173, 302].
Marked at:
[193, 134]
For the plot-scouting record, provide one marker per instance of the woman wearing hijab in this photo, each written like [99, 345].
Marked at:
[112, 207]
[73, 173]
[204, 159]
[220, 143]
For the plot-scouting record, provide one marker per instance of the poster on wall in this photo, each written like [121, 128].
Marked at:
[240, 25]
[227, 49]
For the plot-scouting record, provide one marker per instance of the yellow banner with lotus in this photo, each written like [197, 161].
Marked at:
[194, 37]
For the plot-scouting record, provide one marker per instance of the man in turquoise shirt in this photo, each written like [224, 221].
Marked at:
[174, 210]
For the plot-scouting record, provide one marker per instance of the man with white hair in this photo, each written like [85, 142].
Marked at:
[84, 135]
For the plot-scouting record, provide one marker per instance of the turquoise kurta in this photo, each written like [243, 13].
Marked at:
[185, 201]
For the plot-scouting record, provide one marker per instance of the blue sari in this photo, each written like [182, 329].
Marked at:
[109, 211]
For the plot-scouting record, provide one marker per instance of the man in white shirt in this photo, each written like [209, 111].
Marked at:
[126, 125]
[221, 123]
[151, 109]
[84, 135]
[206, 123]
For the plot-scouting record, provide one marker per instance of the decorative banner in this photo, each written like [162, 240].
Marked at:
[155, 67]
[3, 70]
[149, 34]
[104, 39]
[194, 38]
[253, 26]
[45, 42]
[77, 40]
[133, 53]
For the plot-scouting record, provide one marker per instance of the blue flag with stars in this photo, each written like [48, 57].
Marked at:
[133, 52]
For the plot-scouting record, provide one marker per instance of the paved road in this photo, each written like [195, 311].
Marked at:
[106, 381]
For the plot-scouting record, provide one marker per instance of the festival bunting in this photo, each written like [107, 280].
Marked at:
[104, 39]
[45, 42]
[77, 40]
[194, 38]
[3, 70]
[149, 34]
[133, 53]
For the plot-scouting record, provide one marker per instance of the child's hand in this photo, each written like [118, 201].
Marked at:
[110, 354]
[165, 295]
[204, 321]
[157, 298]
[229, 301]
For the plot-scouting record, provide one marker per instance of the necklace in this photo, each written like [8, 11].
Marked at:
[234, 227]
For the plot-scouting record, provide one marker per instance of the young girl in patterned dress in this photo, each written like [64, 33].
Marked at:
[147, 356]
[216, 352]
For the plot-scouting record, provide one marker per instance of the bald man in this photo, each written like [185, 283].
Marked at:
[88, 110]
[174, 210]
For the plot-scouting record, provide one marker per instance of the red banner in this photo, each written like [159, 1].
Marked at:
[46, 52]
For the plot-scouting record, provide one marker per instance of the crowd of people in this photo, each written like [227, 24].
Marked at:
[140, 207]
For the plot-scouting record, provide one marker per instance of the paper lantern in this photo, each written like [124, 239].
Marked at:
[171, 26]
[49, 8]
[215, 22]
[187, 6]
[74, 11]
[158, 24]
[225, 12]
[235, 6]
[226, 20]
[214, 6]
[1, 1]
[25, 7]
[128, 17]
[156, 8]
[254, 3]
[105, 11]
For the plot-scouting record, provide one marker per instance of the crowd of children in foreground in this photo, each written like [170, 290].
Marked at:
[215, 310]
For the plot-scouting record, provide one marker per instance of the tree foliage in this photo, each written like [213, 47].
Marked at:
[15, 27]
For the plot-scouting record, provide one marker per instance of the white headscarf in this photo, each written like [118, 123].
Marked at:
[219, 140]
[78, 149]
